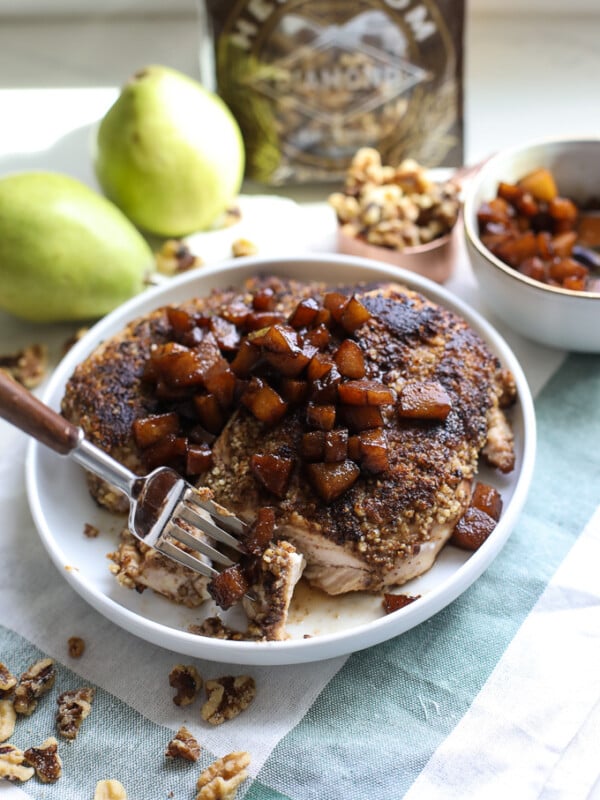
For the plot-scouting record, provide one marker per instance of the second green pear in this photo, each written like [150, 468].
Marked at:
[169, 153]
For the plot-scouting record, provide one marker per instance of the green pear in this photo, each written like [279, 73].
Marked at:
[66, 252]
[169, 153]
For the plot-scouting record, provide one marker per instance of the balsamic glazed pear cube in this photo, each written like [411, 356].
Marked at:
[168, 450]
[318, 366]
[332, 480]
[272, 471]
[325, 388]
[220, 381]
[335, 447]
[226, 333]
[354, 315]
[264, 300]
[335, 303]
[180, 321]
[262, 319]
[365, 393]
[321, 416]
[317, 338]
[210, 413]
[361, 418]
[370, 449]
[259, 535]
[288, 364]
[305, 313]
[275, 338]
[487, 498]
[151, 429]
[236, 313]
[472, 529]
[394, 602]
[198, 458]
[263, 401]
[312, 446]
[228, 587]
[246, 359]
[350, 360]
[294, 390]
[424, 400]
[177, 365]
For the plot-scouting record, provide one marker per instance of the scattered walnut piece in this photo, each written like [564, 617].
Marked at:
[91, 531]
[28, 366]
[7, 680]
[110, 790]
[11, 764]
[8, 718]
[76, 646]
[243, 247]
[188, 682]
[34, 683]
[183, 745]
[227, 697]
[73, 707]
[175, 257]
[45, 760]
[220, 781]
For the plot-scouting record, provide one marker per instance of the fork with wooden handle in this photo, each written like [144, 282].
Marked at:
[165, 510]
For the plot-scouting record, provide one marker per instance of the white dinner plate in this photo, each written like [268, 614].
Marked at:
[320, 626]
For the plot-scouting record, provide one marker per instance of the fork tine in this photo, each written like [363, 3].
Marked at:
[207, 526]
[225, 519]
[186, 559]
[181, 534]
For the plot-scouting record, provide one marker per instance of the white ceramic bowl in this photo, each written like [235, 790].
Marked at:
[560, 318]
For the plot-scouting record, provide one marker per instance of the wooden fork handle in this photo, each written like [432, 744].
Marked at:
[19, 407]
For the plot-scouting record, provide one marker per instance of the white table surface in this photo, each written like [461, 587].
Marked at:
[526, 77]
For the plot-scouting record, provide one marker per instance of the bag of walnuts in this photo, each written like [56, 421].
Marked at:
[312, 81]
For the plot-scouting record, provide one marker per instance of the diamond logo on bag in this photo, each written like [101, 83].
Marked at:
[338, 62]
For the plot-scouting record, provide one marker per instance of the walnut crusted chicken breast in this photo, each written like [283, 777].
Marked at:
[378, 498]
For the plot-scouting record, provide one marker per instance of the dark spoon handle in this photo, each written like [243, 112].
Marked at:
[19, 407]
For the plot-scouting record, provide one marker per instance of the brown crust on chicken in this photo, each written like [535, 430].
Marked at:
[385, 529]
